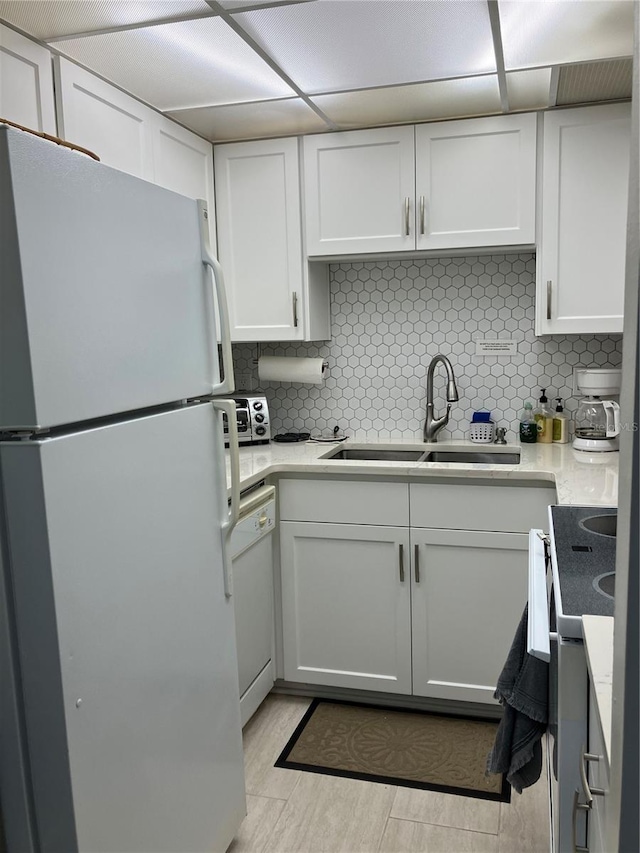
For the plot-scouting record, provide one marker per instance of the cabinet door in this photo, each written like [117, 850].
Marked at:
[96, 115]
[581, 261]
[26, 82]
[346, 605]
[359, 191]
[468, 593]
[259, 241]
[183, 162]
[475, 182]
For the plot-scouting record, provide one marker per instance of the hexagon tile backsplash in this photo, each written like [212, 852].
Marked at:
[388, 319]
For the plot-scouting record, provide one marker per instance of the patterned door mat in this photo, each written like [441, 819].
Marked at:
[414, 749]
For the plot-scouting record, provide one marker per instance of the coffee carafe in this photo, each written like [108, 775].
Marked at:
[597, 421]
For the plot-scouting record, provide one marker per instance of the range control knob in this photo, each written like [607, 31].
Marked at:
[260, 430]
[257, 405]
[259, 418]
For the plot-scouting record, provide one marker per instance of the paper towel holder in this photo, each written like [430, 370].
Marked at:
[325, 363]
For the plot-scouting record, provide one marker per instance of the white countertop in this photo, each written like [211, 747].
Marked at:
[579, 478]
[598, 641]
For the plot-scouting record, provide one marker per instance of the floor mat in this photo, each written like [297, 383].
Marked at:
[415, 749]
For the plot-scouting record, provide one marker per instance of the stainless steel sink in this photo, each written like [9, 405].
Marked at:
[471, 457]
[375, 454]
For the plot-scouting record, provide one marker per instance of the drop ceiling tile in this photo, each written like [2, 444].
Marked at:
[539, 32]
[420, 102]
[51, 18]
[529, 90]
[333, 45]
[251, 121]
[181, 65]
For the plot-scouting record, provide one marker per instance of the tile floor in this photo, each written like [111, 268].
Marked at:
[294, 812]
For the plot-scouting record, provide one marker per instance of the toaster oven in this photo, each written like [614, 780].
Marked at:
[252, 418]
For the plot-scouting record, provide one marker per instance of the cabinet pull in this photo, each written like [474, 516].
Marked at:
[589, 792]
[295, 309]
[548, 300]
[416, 562]
[401, 562]
[406, 216]
[421, 214]
[577, 806]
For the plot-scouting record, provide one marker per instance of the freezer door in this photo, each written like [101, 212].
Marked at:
[126, 640]
[106, 304]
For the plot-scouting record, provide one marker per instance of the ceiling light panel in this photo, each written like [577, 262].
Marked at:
[420, 102]
[529, 90]
[333, 45]
[51, 18]
[557, 32]
[252, 121]
[186, 64]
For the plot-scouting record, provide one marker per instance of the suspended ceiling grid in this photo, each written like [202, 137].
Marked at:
[234, 70]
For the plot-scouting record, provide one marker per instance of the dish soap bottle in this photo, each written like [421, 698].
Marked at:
[528, 426]
[544, 419]
[560, 424]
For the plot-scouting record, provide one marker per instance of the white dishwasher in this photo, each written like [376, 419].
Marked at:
[252, 566]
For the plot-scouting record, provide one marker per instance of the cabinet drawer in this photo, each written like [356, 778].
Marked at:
[508, 509]
[598, 775]
[344, 501]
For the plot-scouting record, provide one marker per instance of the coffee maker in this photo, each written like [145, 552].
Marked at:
[597, 420]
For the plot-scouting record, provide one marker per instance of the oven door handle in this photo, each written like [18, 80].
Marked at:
[538, 635]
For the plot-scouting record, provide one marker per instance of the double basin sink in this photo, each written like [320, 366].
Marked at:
[374, 452]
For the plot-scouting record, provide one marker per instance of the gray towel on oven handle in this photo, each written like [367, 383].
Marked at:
[522, 690]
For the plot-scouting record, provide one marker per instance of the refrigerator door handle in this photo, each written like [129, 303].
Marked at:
[228, 407]
[227, 386]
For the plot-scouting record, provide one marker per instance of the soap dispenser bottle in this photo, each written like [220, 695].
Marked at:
[560, 424]
[544, 418]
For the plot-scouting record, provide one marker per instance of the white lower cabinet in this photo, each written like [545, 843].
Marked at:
[469, 589]
[597, 772]
[372, 603]
[346, 605]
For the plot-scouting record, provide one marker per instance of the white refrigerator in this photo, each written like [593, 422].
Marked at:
[119, 700]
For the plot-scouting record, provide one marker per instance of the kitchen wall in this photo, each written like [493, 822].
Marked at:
[389, 318]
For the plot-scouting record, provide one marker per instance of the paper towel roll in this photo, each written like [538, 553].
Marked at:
[276, 368]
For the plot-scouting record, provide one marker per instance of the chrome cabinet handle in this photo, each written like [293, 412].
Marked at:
[406, 216]
[416, 562]
[549, 300]
[295, 309]
[401, 562]
[577, 806]
[421, 214]
[589, 792]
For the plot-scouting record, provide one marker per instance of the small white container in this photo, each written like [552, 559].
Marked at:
[482, 433]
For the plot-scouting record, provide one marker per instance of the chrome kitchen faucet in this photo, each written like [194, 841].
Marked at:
[432, 426]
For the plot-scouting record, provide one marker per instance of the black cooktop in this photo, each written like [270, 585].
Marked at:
[585, 559]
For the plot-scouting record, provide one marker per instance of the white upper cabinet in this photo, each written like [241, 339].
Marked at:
[183, 162]
[359, 191]
[96, 115]
[26, 83]
[273, 294]
[457, 184]
[132, 137]
[581, 257]
[476, 182]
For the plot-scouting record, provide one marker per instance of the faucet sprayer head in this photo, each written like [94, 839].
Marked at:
[452, 391]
